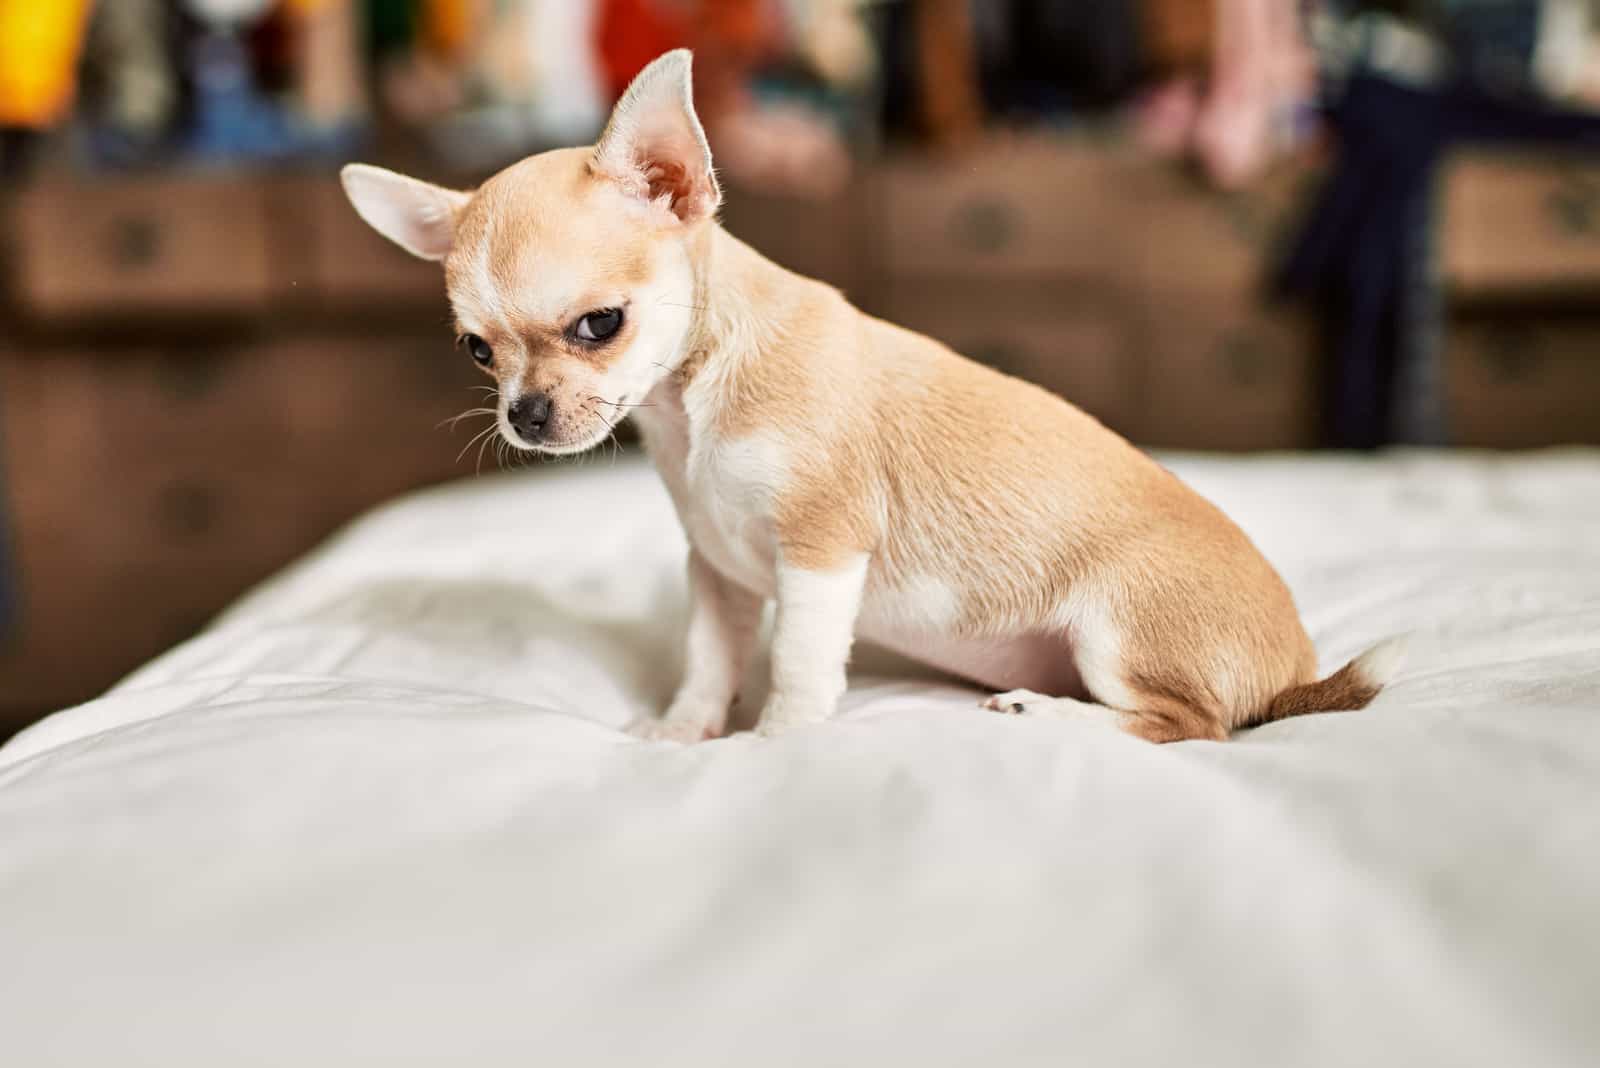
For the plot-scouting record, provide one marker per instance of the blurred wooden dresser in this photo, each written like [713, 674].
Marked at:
[199, 380]
[1135, 291]
[1522, 266]
[1108, 277]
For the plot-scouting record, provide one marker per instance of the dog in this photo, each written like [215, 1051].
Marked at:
[867, 479]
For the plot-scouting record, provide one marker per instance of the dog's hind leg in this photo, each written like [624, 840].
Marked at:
[1158, 717]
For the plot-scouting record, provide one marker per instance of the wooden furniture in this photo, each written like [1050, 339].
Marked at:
[1521, 265]
[199, 381]
[1108, 277]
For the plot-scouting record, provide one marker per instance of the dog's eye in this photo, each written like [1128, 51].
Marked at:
[479, 348]
[599, 325]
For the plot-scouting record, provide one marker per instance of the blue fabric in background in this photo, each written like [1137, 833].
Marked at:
[1357, 255]
[1363, 258]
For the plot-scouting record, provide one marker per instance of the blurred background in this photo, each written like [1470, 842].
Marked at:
[1215, 224]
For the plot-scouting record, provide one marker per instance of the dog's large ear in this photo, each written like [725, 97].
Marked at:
[654, 145]
[417, 216]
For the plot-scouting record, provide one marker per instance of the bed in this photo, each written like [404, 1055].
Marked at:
[382, 812]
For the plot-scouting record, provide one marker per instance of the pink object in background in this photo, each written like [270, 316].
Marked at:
[1261, 69]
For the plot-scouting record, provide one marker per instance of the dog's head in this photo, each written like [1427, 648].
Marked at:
[571, 272]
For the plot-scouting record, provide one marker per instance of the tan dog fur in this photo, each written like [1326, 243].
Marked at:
[868, 478]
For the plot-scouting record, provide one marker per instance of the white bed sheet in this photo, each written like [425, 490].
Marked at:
[381, 813]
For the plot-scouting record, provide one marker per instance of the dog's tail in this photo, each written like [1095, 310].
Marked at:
[1351, 687]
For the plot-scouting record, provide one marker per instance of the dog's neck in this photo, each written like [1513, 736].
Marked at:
[733, 301]
[743, 304]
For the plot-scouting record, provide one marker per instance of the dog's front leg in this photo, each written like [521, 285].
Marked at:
[723, 619]
[811, 638]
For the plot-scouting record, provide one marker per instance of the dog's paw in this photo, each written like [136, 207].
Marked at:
[1018, 703]
[682, 729]
[772, 728]
[1039, 706]
[780, 716]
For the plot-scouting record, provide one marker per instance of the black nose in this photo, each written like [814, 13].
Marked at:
[528, 415]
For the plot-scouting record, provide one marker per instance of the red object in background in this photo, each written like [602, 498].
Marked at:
[731, 39]
[630, 33]
[784, 148]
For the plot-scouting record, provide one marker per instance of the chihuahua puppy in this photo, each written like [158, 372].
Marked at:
[866, 478]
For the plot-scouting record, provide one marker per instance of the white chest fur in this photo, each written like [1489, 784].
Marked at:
[724, 489]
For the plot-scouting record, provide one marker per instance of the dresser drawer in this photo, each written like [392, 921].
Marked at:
[345, 259]
[1074, 347]
[169, 245]
[1218, 372]
[1523, 385]
[146, 489]
[1187, 235]
[1010, 210]
[130, 470]
[819, 238]
[277, 399]
[1521, 225]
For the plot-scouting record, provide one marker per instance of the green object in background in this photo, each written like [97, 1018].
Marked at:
[391, 25]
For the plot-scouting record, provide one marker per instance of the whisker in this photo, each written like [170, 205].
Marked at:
[486, 430]
[477, 468]
[611, 436]
[454, 419]
[620, 404]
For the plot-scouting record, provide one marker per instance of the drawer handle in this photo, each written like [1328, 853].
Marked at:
[135, 242]
[191, 376]
[1244, 363]
[1511, 356]
[188, 509]
[1572, 207]
[984, 225]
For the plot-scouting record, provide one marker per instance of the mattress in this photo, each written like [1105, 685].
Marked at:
[381, 812]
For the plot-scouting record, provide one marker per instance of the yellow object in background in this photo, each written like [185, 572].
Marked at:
[448, 26]
[40, 41]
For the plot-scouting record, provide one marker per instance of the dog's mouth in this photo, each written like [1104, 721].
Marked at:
[565, 448]
[598, 419]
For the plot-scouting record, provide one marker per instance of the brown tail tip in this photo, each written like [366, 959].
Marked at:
[1351, 687]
